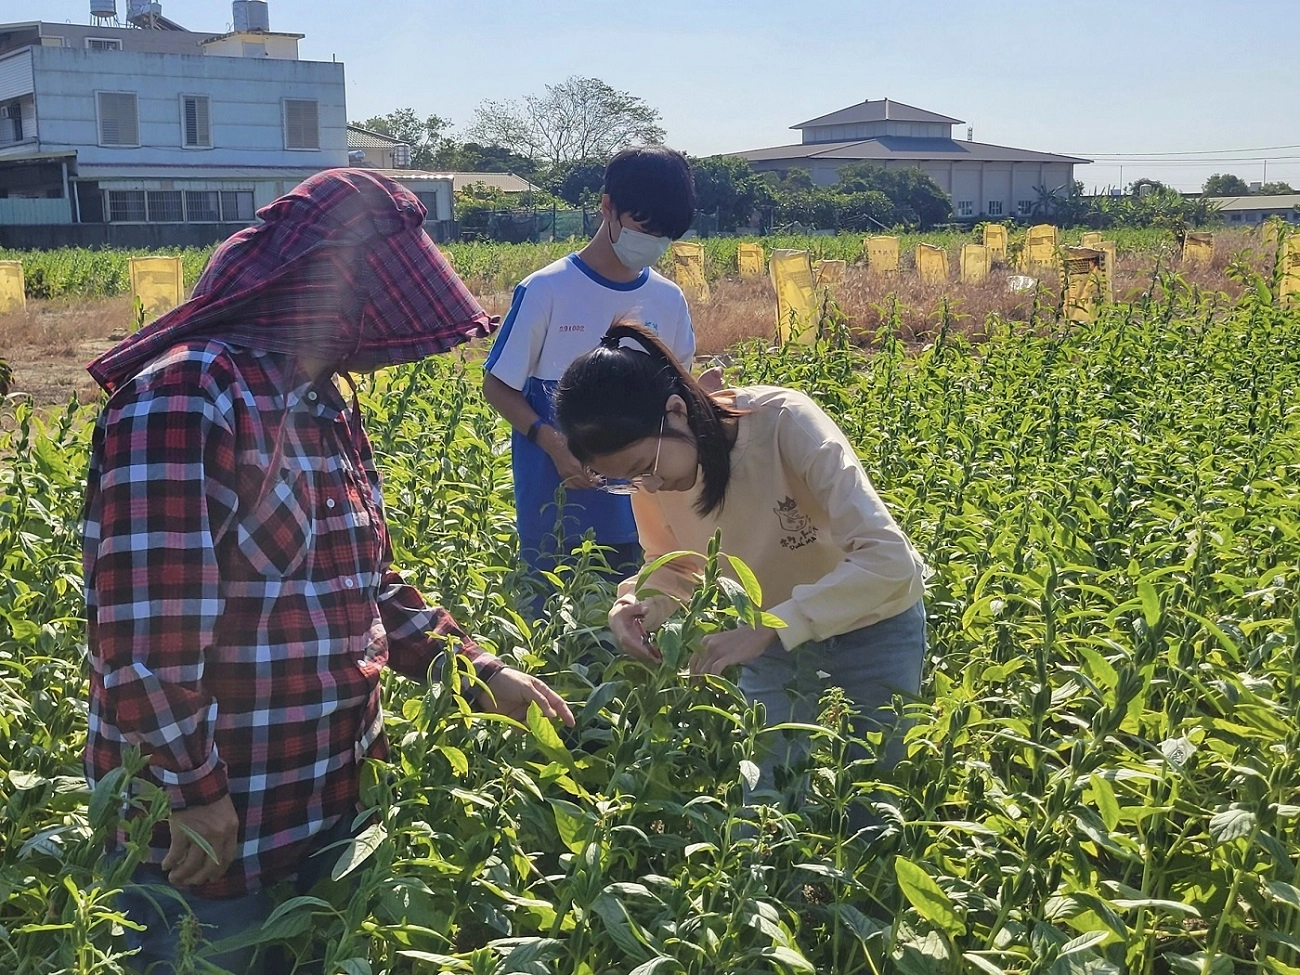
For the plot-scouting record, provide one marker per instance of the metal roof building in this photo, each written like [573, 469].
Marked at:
[983, 180]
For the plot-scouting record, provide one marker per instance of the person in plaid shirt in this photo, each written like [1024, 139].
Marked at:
[240, 601]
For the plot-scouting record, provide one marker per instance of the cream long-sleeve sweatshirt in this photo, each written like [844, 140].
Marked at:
[801, 513]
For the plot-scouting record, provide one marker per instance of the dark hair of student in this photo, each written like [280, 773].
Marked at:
[652, 185]
[615, 395]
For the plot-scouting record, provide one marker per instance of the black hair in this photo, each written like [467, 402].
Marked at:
[653, 185]
[615, 395]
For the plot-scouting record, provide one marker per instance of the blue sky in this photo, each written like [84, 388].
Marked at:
[1093, 79]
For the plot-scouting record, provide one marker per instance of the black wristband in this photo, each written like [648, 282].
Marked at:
[533, 430]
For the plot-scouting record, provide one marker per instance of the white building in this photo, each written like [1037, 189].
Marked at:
[1243, 210]
[983, 180]
[150, 133]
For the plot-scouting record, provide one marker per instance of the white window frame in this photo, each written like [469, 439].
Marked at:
[103, 44]
[284, 117]
[108, 205]
[12, 112]
[995, 208]
[965, 208]
[99, 120]
[185, 143]
[53, 37]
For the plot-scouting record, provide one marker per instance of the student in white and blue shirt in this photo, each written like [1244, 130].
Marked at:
[561, 312]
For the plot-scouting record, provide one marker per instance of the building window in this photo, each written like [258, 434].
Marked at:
[995, 208]
[1025, 207]
[51, 40]
[165, 206]
[11, 123]
[965, 208]
[202, 206]
[1235, 217]
[119, 120]
[126, 206]
[237, 206]
[301, 124]
[103, 44]
[195, 121]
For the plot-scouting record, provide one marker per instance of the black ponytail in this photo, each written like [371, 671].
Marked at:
[615, 395]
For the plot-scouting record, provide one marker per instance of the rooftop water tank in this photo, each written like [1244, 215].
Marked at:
[104, 8]
[250, 15]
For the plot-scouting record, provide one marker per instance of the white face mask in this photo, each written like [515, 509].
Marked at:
[637, 250]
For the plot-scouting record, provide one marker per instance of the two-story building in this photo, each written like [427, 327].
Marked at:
[147, 133]
[983, 180]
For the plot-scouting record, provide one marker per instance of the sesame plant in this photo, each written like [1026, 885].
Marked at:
[1102, 773]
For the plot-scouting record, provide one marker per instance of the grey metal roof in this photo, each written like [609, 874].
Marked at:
[506, 182]
[1283, 202]
[884, 148]
[881, 110]
[359, 138]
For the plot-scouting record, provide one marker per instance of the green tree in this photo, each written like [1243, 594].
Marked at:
[728, 186]
[1276, 189]
[1225, 184]
[578, 183]
[473, 157]
[424, 136]
[579, 118]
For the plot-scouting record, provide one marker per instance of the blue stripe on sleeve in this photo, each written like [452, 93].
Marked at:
[503, 336]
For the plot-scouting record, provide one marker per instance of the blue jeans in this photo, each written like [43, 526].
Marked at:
[871, 664]
[163, 910]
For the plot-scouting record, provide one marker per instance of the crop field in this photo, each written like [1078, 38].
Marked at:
[1102, 773]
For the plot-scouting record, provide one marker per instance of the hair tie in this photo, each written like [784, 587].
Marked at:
[610, 341]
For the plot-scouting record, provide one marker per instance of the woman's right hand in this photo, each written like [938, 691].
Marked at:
[632, 620]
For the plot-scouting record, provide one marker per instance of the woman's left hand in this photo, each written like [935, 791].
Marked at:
[738, 646]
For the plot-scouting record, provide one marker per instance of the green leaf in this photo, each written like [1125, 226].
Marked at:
[1286, 893]
[548, 741]
[359, 850]
[749, 773]
[927, 897]
[1150, 603]
[747, 579]
[1231, 824]
[573, 823]
[456, 759]
[1105, 799]
[653, 965]
[788, 958]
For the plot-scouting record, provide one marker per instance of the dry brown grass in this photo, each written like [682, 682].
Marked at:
[49, 344]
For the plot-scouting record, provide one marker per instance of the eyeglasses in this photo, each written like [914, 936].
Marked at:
[630, 485]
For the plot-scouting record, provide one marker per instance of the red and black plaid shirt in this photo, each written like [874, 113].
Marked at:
[239, 597]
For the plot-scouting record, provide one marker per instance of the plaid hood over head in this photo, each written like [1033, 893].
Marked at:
[340, 267]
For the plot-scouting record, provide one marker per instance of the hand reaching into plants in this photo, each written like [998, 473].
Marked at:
[722, 650]
[632, 620]
[711, 380]
[572, 473]
[187, 863]
[510, 692]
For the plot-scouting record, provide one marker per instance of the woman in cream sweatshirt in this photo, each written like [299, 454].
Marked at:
[778, 477]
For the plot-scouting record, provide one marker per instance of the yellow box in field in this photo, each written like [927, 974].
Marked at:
[975, 261]
[158, 282]
[1040, 248]
[13, 290]
[1085, 282]
[797, 307]
[882, 254]
[688, 269]
[749, 260]
[995, 239]
[1198, 247]
[931, 264]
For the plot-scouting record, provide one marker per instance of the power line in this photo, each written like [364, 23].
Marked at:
[1183, 152]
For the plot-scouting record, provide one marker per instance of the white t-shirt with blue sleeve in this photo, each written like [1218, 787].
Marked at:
[559, 313]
